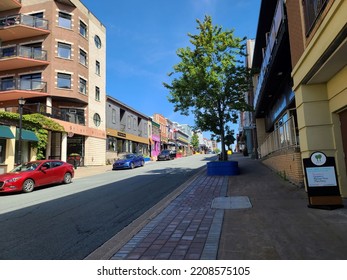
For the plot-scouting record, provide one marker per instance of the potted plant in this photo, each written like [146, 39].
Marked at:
[74, 159]
[146, 157]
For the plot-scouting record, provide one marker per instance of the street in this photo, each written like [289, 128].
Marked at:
[70, 221]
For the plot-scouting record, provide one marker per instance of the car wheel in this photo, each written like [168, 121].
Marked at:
[132, 165]
[67, 178]
[28, 185]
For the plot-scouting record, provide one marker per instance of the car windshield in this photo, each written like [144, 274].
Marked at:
[127, 156]
[26, 167]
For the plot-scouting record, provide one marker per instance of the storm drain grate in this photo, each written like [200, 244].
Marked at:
[231, 202]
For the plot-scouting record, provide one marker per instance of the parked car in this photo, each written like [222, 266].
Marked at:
[166, 155]
[129, 161]
[27, 176]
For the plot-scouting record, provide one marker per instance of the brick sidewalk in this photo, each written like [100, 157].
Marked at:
[188, 228]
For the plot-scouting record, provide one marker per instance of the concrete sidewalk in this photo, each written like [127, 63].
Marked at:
[279, 225]
[255, 215]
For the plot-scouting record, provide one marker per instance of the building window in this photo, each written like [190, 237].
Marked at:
[64, 81]
[97, 93]
[114, 116]
[2, 150]
[112, 144]
[30, 82]
[64, 20]
[97, 41]
[129, 122]
[64, 50]
[312, 10]
[97, 119]
[7, 83]
[97, 68]
[83, 29]
[83, 86]
[83, 57]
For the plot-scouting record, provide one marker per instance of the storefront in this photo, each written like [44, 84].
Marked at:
[6, 147]
[182, 143]
[75, 150]
[9, 147]
[120, 142]
[155, 140]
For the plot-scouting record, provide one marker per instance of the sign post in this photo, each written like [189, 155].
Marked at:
[321, 181]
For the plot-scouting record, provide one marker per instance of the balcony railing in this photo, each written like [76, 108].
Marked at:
[27, 20]
[23, 51]
[282, 138]
[22, 84]
[52, 112]
[271, 40]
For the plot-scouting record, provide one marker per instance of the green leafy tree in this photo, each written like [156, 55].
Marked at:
[210, 80]
[195, 141]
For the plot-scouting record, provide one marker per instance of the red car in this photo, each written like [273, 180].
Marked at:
[30, 175]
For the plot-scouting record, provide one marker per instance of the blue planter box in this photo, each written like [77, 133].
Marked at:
[147, 159]
[223, 168]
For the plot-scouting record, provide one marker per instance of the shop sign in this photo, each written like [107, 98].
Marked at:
[121, 134]
[321, 181]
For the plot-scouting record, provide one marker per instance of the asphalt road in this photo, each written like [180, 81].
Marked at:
[70, 221]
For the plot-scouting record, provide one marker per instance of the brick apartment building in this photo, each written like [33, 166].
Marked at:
[53, 55]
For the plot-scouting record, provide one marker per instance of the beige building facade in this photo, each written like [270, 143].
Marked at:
[318, 32]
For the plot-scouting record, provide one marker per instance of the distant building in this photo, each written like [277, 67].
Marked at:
[164, 131]
[127, 129]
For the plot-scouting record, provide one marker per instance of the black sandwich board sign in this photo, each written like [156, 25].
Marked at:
[321, 181]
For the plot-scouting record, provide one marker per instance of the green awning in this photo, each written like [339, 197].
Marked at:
[27, 135]
[5, 132]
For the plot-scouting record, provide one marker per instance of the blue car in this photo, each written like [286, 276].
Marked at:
[128, 161]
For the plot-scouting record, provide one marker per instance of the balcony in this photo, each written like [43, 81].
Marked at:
[16, 57]
[284, 137]
[12, 89]
[22, 26]
[6, 5]
[75, 116]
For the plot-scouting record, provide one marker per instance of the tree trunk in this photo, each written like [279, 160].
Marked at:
[223, 155]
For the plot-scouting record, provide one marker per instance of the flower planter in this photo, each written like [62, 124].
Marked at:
[223, 168]
[147, 159]
[178, 155]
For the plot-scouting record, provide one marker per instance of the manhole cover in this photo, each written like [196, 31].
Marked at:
[231, 202]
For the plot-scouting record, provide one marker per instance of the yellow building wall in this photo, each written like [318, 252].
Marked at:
[318, 105]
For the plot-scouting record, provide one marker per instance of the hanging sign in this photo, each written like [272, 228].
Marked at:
[321, 181]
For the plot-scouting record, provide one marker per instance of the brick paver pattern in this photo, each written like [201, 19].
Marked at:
[188, 228]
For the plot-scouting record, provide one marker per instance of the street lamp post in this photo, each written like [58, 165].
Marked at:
[21, 102]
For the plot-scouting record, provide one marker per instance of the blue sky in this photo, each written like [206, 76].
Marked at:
[142, 39]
